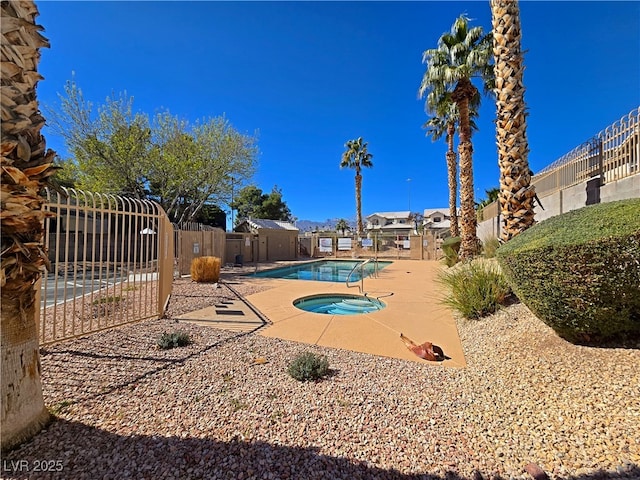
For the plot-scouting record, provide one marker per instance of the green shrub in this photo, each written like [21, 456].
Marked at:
[450, 248]
[579, 272]
[489, 247]
[205, 269]
[475, 289]
[172, 340]
[308, 366]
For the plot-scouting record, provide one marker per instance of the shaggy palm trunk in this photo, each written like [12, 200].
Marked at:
[452, 179]
[25, 169]
[359, 203]
[469, 241]
[516, 191]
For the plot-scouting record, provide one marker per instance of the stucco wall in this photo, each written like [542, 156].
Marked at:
[572, 198]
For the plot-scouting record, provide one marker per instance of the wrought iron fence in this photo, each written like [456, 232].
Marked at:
[612, 154]
[111, 263]
[425, 246]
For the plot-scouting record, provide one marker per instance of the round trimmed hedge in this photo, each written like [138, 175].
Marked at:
[579, 272]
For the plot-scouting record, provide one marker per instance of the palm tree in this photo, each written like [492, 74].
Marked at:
[26, 167]
[461, 55]
[342, 226]
[516, 192]
[356, 156]
[491, 196]
[443, 122]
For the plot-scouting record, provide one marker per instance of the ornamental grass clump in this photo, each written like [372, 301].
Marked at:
[474, 289]
[205, 269]
[450, 248]
[490, 246]
[173, 340]
[579, 272]
[308, 366]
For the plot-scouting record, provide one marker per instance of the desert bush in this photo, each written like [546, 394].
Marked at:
[474, 289]
[579, 272]
[173, 340]
[308, 366]
[205, 269]
[450, 248]
[489, 247]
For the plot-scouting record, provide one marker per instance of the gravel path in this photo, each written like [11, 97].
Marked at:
[128, 410]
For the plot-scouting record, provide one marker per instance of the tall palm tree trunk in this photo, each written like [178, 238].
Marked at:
[452, 179]
[359, 203]
[516, 191]
[25, 169]
[468, 224]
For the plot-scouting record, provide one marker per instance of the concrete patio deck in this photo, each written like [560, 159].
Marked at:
[413, 309]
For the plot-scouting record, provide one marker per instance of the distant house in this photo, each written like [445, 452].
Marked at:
[437, 220]
[395, 223]
[276, 240]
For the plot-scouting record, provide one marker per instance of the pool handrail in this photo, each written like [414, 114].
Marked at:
[361, 265]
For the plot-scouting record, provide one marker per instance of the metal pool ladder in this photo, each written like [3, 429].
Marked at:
[361, 267]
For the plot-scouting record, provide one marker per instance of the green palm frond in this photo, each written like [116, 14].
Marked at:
[356, 155]
[462, 54]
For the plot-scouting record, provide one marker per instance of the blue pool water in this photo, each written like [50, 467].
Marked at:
[338, 304]
[323, 271]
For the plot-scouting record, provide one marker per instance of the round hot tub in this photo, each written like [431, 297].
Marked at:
[338, 304]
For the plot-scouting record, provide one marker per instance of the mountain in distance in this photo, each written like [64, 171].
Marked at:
[328, 225]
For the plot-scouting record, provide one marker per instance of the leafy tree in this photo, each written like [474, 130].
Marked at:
[197, 166]
[212, 215]
[356, 156]
[274, 208]
[252, 202]
[110, 148]
[248, 202]
[461, 55]
[66, 173]
[516, 192]
[181, 166]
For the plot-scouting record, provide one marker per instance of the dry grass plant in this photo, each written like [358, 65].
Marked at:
[205, 269]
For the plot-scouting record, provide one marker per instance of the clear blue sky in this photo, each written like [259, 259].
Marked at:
[311, 75]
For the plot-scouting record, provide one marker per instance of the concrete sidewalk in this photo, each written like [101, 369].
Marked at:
[234, 315]
[413, 308]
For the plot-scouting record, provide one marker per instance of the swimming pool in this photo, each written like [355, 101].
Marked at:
[338, 304]
[322, 271]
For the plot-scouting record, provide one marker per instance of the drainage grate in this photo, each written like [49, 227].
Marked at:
[229, 312]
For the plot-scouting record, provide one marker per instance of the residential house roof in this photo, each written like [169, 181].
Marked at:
[258, 223]
[391, 215]
[430, 211]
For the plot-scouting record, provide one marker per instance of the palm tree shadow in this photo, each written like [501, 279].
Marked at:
[86, 450]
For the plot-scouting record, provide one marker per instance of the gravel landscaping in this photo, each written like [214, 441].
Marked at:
[126, 409]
